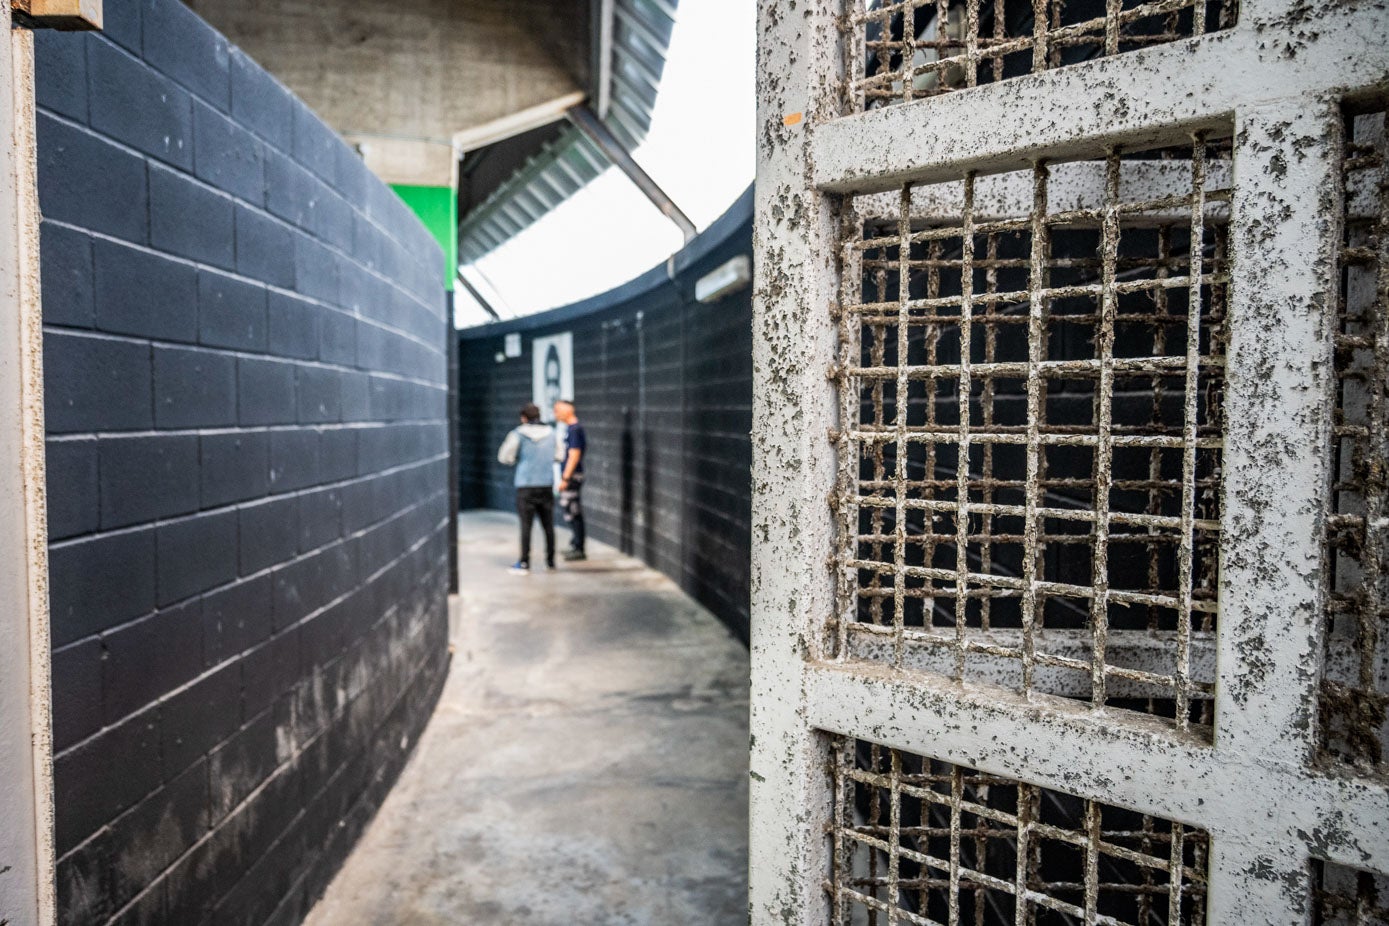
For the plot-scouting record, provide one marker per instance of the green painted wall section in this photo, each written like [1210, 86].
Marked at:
[437, 207]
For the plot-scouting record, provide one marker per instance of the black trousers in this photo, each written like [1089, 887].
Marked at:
[536, 502]
[572, 504]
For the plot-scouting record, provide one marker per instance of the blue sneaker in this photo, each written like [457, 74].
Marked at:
[520, 568]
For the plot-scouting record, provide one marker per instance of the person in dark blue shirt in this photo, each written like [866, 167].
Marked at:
[571, 478]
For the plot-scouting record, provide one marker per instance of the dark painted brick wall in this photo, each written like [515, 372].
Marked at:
[246, 382]
[664, 390]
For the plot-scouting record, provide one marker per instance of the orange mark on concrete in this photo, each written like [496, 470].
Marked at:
[792, 118]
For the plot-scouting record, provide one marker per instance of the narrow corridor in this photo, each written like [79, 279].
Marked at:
[587, 763]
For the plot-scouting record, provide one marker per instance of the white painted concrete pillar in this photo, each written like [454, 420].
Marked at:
[793, 465]
[1278, 393]
[26, 789]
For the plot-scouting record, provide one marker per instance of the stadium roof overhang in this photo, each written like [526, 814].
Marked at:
[512, 178]
[502, 108]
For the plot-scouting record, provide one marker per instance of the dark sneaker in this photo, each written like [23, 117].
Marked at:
[549, 565]
[520, 568]
[575, 555]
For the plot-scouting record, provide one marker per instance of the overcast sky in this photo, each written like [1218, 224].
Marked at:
[700, 150]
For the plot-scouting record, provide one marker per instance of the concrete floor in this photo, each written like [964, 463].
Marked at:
[587, 763]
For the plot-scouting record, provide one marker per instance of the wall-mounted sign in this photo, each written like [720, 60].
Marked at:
[552, 371]
[511, 344]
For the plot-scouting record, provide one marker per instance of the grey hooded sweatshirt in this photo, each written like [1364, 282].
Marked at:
[531, 449]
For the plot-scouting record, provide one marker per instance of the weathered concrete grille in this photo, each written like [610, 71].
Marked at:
[921, 581]
[1348, 897]
[1032, 373]
[1355, 682]
[916, 840]
[897, 52]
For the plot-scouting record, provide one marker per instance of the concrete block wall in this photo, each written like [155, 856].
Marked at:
[245, 380]
[663, 385]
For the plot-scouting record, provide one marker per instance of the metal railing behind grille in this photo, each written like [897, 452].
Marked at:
[897, 52]
[1348, 897]
[1355, 681]
[1029, 485]
[915, 840]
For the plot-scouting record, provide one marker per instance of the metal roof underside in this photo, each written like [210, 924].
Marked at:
[636, 50]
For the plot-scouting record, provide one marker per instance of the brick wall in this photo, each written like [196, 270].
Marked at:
[245, 394]
[663, 385]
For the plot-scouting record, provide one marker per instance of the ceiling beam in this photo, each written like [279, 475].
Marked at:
[516, 123]
[603, 54]
[478, 297]
[598, 133]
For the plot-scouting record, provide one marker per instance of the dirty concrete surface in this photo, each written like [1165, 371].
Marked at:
[587, 763]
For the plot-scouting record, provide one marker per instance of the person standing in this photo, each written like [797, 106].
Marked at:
[530, 448]
[571, 478]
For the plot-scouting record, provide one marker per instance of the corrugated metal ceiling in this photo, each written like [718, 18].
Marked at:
[640, 36]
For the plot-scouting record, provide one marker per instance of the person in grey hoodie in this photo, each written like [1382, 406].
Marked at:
[531, 449]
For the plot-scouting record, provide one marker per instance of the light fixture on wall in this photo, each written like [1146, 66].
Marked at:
[727, 278]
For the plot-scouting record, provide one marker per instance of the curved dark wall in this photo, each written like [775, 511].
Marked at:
[245, 375]
[663, 385]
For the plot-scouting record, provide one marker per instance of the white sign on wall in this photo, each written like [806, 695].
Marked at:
[552, 371]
